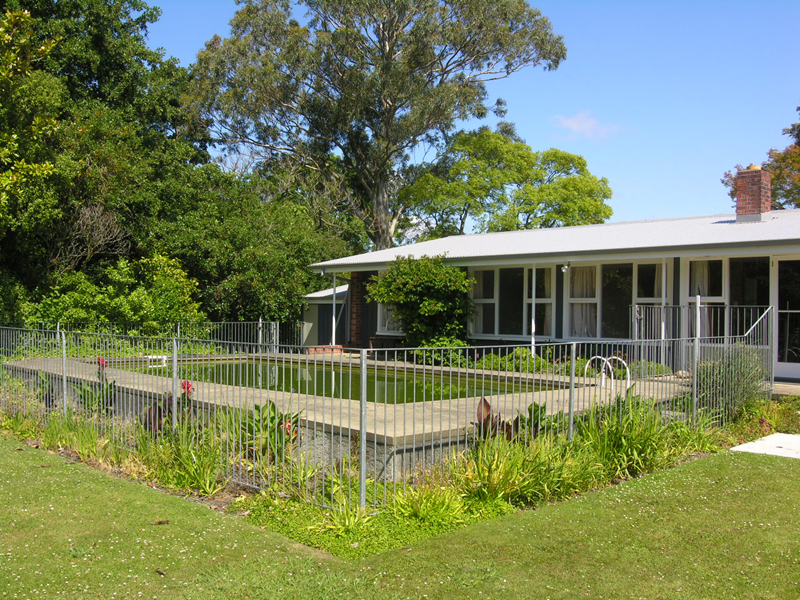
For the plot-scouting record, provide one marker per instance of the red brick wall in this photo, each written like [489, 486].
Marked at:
[753, 192]
[357, 306]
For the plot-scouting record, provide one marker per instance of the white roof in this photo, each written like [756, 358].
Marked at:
[661, 237]
[316, 297]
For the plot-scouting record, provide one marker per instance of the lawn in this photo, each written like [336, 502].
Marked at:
[724, 526]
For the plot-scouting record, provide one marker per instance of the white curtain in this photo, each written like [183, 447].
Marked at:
[583, 320]
[582, 282]
[583, 315]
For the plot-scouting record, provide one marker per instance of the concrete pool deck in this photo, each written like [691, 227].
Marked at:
[404, 424]
[397, 438]
[777, 444]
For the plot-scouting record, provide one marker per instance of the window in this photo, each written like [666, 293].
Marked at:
[543, 317]
[648, 282]
[511, 301]
[387, 322]
[503, 301]
[483, 296]
[583, 302]
[749, 281]
[616, 296]
[705, 278]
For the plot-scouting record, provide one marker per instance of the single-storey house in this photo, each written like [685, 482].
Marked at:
[585, 282]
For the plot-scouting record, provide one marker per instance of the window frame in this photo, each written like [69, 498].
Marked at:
[666, 282]
[527, 305]
[384, 320]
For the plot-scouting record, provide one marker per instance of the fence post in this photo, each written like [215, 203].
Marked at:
[362, 434]
[174, 382]
[696, 357]
[573, 354]
[64, 371]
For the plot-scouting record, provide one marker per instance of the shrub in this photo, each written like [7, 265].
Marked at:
[533, 422]
[758, 418]
[448, 355]
[629, 437]
[97, 397]
[500, 471]
[185, 458]
[148, 290]
[430, 298]
[520, 360]
[582, 367]
[21, 424]
[433, 505]
[725, 384]
[494, 470]
[640, 369]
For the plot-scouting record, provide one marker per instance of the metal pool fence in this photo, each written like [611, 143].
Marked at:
[236, 335]
[340, 428]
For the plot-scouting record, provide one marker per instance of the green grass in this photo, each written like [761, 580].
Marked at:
[73, 530]
[720, 527]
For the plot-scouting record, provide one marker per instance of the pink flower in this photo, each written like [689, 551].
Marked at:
[101, 363]
[287, 425]
[186, 386]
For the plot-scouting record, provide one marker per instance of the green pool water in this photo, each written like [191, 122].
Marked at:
[384, 386]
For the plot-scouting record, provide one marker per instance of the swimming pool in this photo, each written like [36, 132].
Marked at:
[384, 385]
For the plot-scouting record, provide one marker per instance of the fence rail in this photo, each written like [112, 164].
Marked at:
[253, 333]
[353, 426]
[716, 320]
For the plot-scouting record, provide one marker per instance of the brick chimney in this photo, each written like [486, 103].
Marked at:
[753, 194]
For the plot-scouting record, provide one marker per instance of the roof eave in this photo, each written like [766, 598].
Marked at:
[672, 251]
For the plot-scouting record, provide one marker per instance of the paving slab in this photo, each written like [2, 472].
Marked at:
[777, 444]
[783, 389]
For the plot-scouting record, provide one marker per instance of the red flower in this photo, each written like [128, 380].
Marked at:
[287, 425]
[101, 363]
[186, 386]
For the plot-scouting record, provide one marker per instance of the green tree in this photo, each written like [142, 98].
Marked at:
[363, 84]
[19, 127]
[430, 298]
[559, 191]
[249, 256]
[784, 166]
[496, 180]
[126, 150]
[154, 290]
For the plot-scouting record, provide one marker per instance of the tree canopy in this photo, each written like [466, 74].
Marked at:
[250, 257]
[497, 182]
[123, 154]
[784, 165]
[111, 208]
[363, 85]
[19, 127]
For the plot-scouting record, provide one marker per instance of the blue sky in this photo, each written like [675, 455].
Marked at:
[660, 97]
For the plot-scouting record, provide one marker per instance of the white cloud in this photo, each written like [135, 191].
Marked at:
[584, 125]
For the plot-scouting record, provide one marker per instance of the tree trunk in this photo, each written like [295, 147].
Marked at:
[383, 224]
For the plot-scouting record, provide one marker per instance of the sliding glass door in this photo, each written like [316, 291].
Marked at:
[788, 334]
